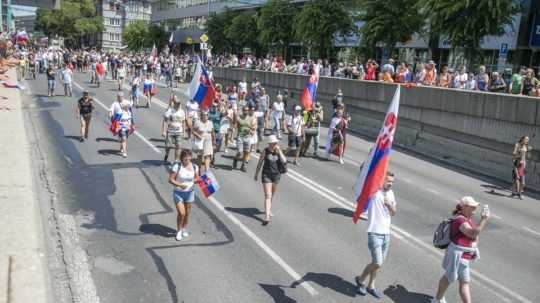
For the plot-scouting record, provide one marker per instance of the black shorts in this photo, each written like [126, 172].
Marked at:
[295, 141]
[270, 178]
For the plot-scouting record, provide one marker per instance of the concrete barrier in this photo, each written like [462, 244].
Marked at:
[467, 129]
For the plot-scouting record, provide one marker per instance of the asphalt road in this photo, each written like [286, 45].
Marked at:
[125, 220]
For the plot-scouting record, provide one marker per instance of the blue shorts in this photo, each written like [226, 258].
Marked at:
[123, 133]
[378, 246]
[183, 196]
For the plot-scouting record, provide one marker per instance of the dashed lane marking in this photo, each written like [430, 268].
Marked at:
[531, 231]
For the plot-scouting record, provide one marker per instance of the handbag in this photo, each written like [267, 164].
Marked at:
[311, 131]
[282, 167]
[197, 144]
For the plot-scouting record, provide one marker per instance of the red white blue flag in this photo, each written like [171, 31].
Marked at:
[201, 88]
[154, 56]
[309, 95]
[373, 171]
[208, 184]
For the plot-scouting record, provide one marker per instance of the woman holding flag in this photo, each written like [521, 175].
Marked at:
[125, 126]
[182, 176]
[336, 140]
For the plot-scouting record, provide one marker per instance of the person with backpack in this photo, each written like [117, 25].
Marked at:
[182, 176]
[462, 248]
[381, 209]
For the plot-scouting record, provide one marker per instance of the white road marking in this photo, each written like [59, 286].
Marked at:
[407, 180]
[68, 159]
[496, 217]
[531, 231]
[306, 285]
[432, 191]
[481, 279]
[137, 133]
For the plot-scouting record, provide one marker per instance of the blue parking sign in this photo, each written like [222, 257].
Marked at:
[535, 32]
[503, 52]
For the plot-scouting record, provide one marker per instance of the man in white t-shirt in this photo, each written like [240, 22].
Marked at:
[295, 126]
[174, 122]
[382, 207]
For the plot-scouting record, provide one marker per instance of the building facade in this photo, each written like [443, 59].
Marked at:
[117, 14]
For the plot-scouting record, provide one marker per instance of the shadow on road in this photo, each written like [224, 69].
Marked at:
[277, 293]
[331, 281]
[106, 140]
[250, 212]
[157, 229]
[341, 211]
[399, 294]
[108, 152]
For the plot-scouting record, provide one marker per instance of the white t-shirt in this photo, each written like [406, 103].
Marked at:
[175, 119]
[278, 108]
[379, 218]
[192, 109]
[242, 87]
[295, 123]
[185, 176]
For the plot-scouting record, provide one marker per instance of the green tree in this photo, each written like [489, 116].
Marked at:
[157, 36]
[243, 31]
[465, 22]
[75, 21]
[275, 25]
[216, 26]
[319, 21]
[135, 35]
[388, 22]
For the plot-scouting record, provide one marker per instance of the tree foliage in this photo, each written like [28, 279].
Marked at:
[319, 21]
[466, 22]
[388, 22]
[74, 21]
[275, 25]
[243, 31]
[140, 35]
[216, 27]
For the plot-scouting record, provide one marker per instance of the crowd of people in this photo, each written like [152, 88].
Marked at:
[243, 116]
[521, 82]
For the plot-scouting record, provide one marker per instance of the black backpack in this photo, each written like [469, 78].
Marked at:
[441, 237]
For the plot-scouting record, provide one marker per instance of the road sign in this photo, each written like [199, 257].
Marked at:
[189, 40]
[503, 52]
[535, 32]
[204, 38]
[204, 46]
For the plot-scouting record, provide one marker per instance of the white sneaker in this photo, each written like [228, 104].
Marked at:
[179, 236]
[185, 234]
[434, 300]
[341, 161]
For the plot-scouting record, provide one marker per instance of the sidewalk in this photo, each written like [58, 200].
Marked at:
[23, 272]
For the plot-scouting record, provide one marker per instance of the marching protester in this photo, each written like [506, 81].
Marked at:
[100, 73]
[149, 89]
[272, 162]
[51, 80]
[203, 140]
[135, 83]
[192, 112]
[295, 127]
[462, 249]
[312, 120]
[519, 158]
[382, 208]
[336, 140]
[245, 127]
[121, 75]
[182, 176]
[278, 113]
[83, 112]
[125, 126]
[173, 126]
[67, 77]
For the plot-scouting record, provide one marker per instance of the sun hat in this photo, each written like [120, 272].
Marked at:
[468, 201]
[272, 139]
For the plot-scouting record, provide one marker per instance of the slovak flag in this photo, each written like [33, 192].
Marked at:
[208, 184]
[309, 94]
[373, 171]
[201, 89]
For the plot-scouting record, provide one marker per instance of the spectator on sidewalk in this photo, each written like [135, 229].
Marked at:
[516, 84]
[496, 84]
[482, 79]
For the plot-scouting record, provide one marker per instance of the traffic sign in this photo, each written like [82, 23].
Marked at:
[204, 38]
[535, 32]
[503, 52]
[189, 40]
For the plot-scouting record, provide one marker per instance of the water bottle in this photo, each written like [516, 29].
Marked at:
[485, 210]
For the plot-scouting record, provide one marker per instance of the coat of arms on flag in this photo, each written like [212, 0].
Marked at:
[208, 184]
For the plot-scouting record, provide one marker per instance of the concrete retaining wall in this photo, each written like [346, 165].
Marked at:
[466, 129]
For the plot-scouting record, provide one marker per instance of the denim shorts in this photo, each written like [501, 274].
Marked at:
[378, 246]
[464, 271]
[183, 196]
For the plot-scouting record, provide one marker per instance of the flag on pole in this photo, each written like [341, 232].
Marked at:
[309, 95]
[373, 171]
[201, 89]
[208, 184]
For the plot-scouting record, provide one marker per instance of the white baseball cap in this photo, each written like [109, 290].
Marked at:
[468, 201]
[297, 108]
[272, 139]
